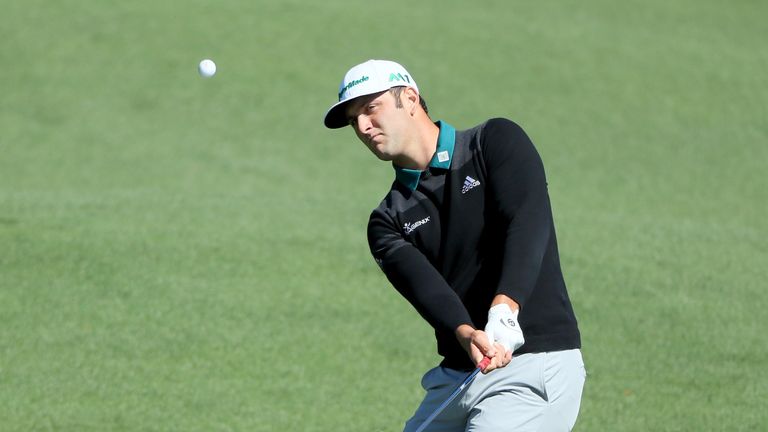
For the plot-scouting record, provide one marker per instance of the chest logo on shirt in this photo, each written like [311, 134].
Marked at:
[409, 227]
[469, 184]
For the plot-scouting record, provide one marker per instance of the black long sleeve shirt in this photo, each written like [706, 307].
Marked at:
[475, 224]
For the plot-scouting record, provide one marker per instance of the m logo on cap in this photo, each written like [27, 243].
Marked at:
[399, 77]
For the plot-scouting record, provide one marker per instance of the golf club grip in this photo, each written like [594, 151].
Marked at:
[484, 363]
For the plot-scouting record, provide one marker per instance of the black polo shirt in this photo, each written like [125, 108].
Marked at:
[475, 224]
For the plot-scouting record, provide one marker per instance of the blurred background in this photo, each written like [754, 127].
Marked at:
[189, 254]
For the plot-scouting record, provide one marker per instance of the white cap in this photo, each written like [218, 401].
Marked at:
[366, 78]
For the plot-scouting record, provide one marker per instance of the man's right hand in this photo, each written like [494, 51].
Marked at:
[477, 345]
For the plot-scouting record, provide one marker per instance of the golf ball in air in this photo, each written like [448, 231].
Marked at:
[207, 68]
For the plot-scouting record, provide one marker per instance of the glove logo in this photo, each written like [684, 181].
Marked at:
[509, 323]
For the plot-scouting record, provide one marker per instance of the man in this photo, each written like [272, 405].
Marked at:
[466, 235]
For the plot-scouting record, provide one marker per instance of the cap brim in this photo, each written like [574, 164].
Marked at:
[336, 117]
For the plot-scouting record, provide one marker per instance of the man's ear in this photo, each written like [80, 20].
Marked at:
[411, 98]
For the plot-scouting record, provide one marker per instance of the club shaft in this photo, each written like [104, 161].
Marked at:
[452, 396]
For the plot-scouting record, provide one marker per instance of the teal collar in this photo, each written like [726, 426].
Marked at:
[441, 159]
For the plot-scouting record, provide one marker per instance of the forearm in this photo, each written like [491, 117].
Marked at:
[518, 187]
[425, 289]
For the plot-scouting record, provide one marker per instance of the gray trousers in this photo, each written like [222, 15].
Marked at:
[535, 392]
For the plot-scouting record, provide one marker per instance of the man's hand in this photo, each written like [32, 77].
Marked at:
[503, 328]
[477, 345]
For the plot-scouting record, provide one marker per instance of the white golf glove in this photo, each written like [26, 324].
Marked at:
[503, 327]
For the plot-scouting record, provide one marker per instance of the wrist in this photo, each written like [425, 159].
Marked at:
[464, 335]
[504, 299]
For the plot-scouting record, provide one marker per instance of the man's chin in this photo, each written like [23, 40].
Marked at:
[384, 156]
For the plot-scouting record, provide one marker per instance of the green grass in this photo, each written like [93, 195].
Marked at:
[180, 254]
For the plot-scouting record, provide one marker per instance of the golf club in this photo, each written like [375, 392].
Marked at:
[480, 366]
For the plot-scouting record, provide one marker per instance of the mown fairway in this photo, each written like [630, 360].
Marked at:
[181, 254]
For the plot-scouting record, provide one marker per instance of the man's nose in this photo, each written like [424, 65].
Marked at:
[363, 123]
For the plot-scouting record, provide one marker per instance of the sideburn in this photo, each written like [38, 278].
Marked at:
[396, 91]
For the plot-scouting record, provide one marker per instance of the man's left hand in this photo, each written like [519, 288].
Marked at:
[503, 328]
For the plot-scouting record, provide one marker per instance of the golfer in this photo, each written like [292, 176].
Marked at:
[466, 235]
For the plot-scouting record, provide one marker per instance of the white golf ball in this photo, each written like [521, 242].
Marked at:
[207, 68]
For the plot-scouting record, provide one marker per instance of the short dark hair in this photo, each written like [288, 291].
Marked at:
[396, 91]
